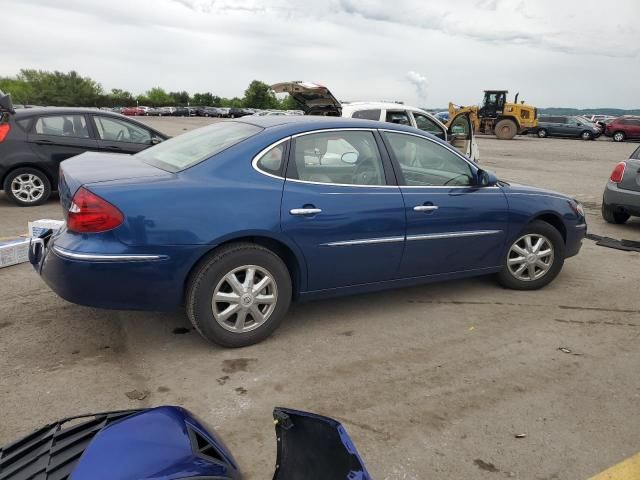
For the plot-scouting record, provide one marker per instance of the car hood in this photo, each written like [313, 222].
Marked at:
[528, 189]
[169, 443]
[315, 99]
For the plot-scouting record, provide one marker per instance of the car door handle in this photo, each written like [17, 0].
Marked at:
[44, 142]
[304, 211]
[425, 208]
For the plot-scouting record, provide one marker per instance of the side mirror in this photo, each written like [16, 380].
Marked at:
[5, 102]
[349, 157]
[155, 140]
[486, 178]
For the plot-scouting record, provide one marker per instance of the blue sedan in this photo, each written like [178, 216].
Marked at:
[236, 220]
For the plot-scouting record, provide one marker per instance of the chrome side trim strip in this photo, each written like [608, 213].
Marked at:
[582, 225]
[98, 257]
[323, 130]
[364, 241]
[434, 236]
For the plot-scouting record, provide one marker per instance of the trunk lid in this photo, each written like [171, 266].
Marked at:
[315, 99]
[314, 447]
[96, 167]
[631, 178]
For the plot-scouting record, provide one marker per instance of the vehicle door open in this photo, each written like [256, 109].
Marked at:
[460, 134]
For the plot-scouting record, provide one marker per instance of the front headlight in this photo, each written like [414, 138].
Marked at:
[577, 207]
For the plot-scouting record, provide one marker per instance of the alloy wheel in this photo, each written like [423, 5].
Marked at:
[530, 257]
[618, 136]
[27, 188]
[244, 299]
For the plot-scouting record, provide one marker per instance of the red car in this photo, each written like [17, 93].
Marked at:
[623, 128]
[134, 111]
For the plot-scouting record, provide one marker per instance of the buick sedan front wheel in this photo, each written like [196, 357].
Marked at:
[238, 295]
[534, 259]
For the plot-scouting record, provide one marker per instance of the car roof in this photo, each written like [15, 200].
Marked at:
[293, 124]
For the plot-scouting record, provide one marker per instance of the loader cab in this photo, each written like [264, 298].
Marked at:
[493, 103]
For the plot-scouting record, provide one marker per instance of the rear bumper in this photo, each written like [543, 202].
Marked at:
[628, 200]
[120, 281]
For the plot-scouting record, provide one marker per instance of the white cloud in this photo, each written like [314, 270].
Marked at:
[420, 83]
[554, 53]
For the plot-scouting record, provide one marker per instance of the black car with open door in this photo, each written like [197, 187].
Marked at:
[34, 141]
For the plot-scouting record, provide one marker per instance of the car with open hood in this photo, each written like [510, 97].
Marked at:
[318, 100]
[235, 220]
[170, 443]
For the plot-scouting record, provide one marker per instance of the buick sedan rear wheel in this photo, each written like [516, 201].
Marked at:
[534, 259]
[239, 295]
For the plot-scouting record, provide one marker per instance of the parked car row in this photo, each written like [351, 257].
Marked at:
[196, 111]
[620, 128]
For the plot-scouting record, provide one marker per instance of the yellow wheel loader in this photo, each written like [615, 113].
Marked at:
[498, 116]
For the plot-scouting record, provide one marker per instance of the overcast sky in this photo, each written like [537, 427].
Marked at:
[576, 53]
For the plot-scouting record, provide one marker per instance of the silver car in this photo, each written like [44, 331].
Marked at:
[621, 198]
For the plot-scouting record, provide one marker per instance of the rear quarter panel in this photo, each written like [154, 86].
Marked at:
[216, 201]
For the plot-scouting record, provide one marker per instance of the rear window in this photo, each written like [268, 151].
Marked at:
[186, 150]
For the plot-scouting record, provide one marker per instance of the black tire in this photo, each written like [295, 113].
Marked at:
[537, 227]
[211, 271]
[619, 136]
[505, 129]
[40, 180]
[586, 135]
[614, 214]
[542, 133]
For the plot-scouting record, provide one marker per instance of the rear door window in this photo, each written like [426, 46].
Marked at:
[344, 158]
[399, 116]
[62, 125]
[367, 114]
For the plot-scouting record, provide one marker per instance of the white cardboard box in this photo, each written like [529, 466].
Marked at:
[14, 251]
[38, 227]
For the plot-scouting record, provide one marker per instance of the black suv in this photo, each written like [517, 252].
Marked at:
[239, 112]
[34, 141]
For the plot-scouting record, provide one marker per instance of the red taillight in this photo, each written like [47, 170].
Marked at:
[4, 131]
[618, 173]
[89, 213]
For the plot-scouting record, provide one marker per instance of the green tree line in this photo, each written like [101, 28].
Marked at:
[40, 87]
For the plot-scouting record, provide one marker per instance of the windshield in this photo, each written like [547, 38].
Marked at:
[190, 148]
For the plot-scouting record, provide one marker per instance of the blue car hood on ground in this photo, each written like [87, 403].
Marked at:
[169, 443]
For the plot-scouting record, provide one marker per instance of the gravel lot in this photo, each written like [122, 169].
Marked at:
[431, 382]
